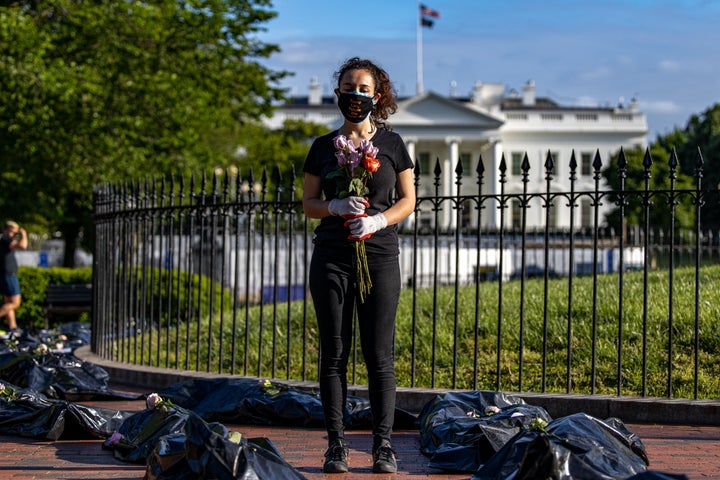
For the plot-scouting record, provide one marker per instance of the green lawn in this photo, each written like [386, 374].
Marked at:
[459, 337]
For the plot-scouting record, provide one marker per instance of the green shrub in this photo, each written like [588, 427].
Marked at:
[33, 284]
[185, 290]
[175, 293]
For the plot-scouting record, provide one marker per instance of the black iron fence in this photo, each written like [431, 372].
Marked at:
[593, 295]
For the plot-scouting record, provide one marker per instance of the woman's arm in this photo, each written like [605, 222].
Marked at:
[405, 204]
[313, 204]
[20, 242]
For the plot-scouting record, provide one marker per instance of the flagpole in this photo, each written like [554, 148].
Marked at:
[418, 25]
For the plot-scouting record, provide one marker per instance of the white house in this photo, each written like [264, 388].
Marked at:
[492, 123]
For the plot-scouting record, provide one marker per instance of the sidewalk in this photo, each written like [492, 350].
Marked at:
[680, 449]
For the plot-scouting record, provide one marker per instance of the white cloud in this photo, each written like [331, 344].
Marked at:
[670, 66]
[598, 73]
[659, 106]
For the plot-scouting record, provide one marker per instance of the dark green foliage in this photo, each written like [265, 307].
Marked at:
[197, 294]
[111, 91]
[697, 149]
[701, 136]
[174, 296]
[34, 282]
[659, 182]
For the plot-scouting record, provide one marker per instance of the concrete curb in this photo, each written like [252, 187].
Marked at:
[627, 409]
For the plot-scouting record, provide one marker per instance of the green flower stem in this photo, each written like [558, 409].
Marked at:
[363, 272]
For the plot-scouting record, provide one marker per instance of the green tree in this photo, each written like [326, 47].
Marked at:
[286, 148]
[113, 90]
[701, 135]
[655, 164]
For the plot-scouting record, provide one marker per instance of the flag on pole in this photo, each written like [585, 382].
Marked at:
[426, 11]
[426, 16]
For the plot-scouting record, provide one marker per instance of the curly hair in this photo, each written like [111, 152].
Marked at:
[386, 105]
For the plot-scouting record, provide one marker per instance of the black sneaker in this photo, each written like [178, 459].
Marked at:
[384, 458]
[336, 457]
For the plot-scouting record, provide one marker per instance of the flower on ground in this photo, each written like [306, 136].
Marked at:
[538, 424]
[492, 410]
[271, 388]
[115, 438]
[156, 402]
[153, 400]
[6, 391]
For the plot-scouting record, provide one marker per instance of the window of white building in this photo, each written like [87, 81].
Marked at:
[467, 214]
[516, 163]
[466, 163]
[552, 214]
[515, 213]
[424, 163]
[586, 213]
[586, 159]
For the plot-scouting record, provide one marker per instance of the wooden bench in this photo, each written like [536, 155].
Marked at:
[67, 299]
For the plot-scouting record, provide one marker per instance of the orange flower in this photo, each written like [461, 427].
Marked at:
[371, 164]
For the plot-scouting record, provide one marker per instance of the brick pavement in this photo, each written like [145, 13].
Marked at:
[690, 450]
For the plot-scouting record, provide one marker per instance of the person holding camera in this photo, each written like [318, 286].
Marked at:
[13, 237]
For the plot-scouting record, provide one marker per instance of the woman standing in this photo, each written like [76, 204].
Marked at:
[13, 238]
[366, 99]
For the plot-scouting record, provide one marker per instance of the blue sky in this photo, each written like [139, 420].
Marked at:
[662, 52]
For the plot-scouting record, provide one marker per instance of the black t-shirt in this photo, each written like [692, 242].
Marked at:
[8, 263]
[393, 158]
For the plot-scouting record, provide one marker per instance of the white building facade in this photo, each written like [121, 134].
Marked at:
[492, 124]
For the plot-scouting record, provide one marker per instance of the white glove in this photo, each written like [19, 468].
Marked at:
[348, 207]
[362, 228]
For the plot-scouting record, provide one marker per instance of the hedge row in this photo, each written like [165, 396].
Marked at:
[181, 287]
[33, 284]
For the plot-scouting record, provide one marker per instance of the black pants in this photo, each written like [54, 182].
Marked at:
[332, 284]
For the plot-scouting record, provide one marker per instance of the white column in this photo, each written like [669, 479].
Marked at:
[492, 181]
[410, 145]
[449, 187]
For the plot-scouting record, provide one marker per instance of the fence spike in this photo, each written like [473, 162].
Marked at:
[459, 168]
[264, 183]
[226, 183]
[480, 169]
[214, 184]
[622, 164]
[647, 163]
[438, 169]
[673, 163]
[277, 175]
[597, 161]
[597, 166]
[292, 182]
[573, 166]
[549, 163]
[699, 161]
[525, 168]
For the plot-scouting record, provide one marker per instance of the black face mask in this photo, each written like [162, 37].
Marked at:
[355, 106]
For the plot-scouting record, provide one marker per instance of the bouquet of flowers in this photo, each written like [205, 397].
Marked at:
[355, 167]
